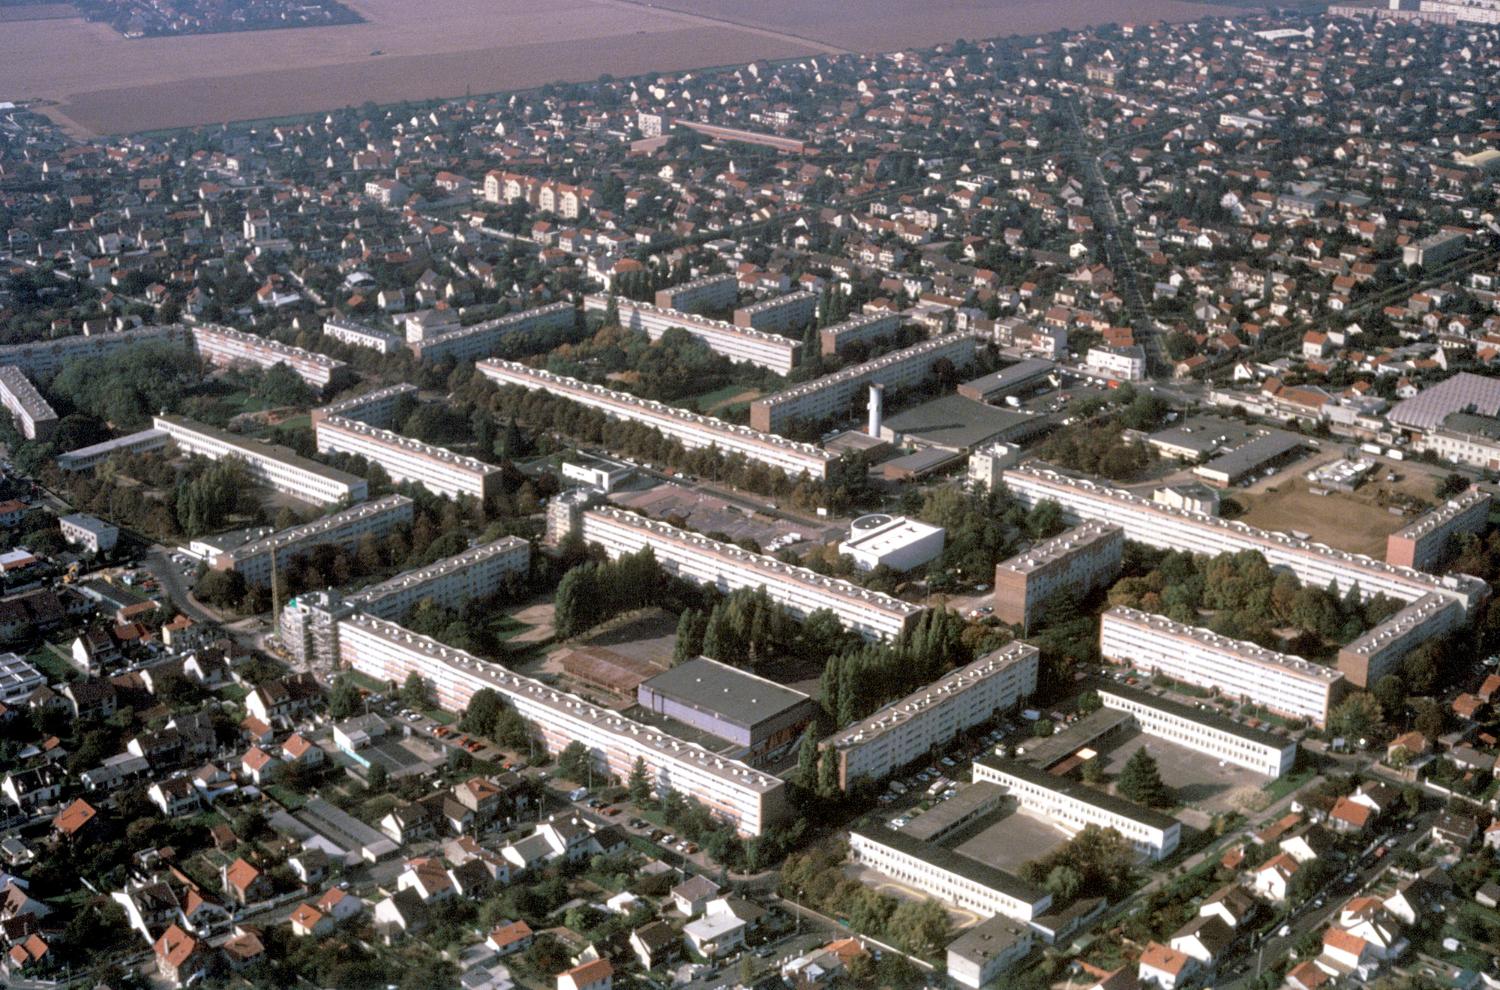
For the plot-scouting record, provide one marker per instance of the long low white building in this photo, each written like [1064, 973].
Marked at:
[227, 347]
[765, 350]
[729, 568]
[1202, 730]
[931, 716]
[437, 469]
[32, 413]
[1286, 684]
[692, 430]
[481, 339]
[253, 560]
[95, 454]
[948, 876]
[279, 467]
[732, 790]
[45, 358]
[357, 334]
[1072, 807]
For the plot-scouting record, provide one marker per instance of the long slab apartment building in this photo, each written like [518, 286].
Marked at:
[833, 395]
[437, 469]
[857, 329]
[377, 408]
[729, 568]
[254, 560]
[279, 467]
[33, 414]
[790, 313]
[1083, 559]
[693, 430]
[1422, 544]
[225, 347]
[752, 800]
[45, 358]
[711, 293]
[1286, 684]
[908, 729]
[764, 350]
[481, 339]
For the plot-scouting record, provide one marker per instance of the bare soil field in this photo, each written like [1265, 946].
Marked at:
[95, 81]
[1358, 521]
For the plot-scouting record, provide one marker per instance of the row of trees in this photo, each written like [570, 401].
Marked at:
[858, 681]
[817, 879]
[593, 592]
[747, 628]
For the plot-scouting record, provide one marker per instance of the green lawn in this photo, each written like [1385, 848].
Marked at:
[288, 799]
[440, 716]
[51, 660]
[505, 627]
[1282, 786]
[365, 681]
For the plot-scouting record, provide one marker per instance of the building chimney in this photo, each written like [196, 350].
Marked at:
[877, 397]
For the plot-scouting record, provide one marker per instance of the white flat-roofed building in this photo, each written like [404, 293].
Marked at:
[93, 455]
[764, 350]
[1072, 806]
[478, 572]
[1378, 652]
[226, 347]
[1281, 682]
[377, 408]
[439, 470]
[597, 474]
[1081, 560]
[909, 729]
[1203, 731]
[857, 329]
[948, 876]
[983, 952]
[693, 430]
[45, 358]
[279, 467]
[1126, 363]
[1145, 521]
[17, 678]
[481, 339]
[748, 798]
[987, 462]
[32, 413]
[729, 568]
[1423, 543]
[90, 532]
[711, 292]
[357, 334]
[833, 395]
[896, 542]
[782, 314]
[344, 529]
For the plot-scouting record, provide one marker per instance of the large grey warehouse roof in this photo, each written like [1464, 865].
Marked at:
[954, 862]
[1427, 409]
[734, 695]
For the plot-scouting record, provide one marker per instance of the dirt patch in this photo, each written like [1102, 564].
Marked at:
[1359, 521]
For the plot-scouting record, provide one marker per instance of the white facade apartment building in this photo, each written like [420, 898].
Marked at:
[730, 789]
[18, 678]
[439, 470]
[481, 339]
[476, 573]
[225, 347]
[342, 529]
[32, 413]
[1072, 806]
[1378, 652]
[930, 716]
[357, 334]
[1203, 731]
[1126, 363]
[711, 292]
[782, 314]
[1082, 559]
[1281, 682]
[729, 568]
[279, 467]
[764, 350]
[832, 395]
[45, 358]
[693, 430]
[90, 532]
[948, 876]
[377, 408]
[867, 326]
[1145, 521]
[1421, 545]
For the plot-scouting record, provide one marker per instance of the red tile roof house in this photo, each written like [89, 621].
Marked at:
[180, 957]
[1347, 816]
[596, 974]
[1165, 967]
[245, 884]
[506, 939]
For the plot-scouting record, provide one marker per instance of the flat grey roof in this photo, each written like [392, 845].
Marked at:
[1014, 376]
[1204, 434]
[725, 692]
[1080, 792]
[946, 859]
[956, 422]
[1203, 716]
[1054, 749]
[943, 816]
[1251, 455]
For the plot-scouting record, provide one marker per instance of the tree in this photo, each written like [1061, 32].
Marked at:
[1449, 486]
[640, 782]
[1390, 691]
[807, 758]
[1063, 883]
[379, 778]
[1357, 717]
[828, 773]
[920, 927]
[1141, 782]
[690, 629]
[575, 762]
[414, 691]
[1093, 772]
[482, 713]
[1429, 719]
[344, 701]
[1089, 701]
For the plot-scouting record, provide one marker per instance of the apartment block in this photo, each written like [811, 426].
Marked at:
[224, 347]
[1380, 651]
[279, 467]
[931, 716]
[835, 394]
[45, 358]
[729, 568]
[692, 430]
[1145, 521]
[89, 532]
[752, 800]
[1424, 543]
[93, 455]
[1072, 807]
[345, 529]
[1286, 684]
[34, 416]
[711, 293]
[857, 329]
[948, 876]
[357, 334]
[1202, 730]
[1082, 560]
[764, 350]
[377, 408]
[790, 313]
[437, 469]
[482, 339]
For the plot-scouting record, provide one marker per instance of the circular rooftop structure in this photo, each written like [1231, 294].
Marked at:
[873, 520]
